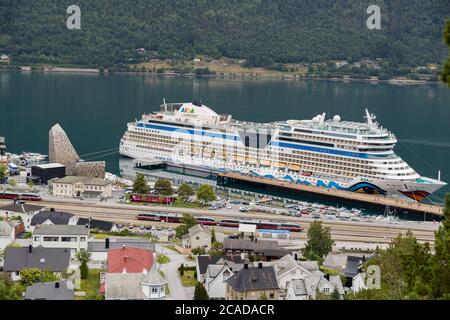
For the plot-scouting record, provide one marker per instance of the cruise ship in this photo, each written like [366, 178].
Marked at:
[330, 153]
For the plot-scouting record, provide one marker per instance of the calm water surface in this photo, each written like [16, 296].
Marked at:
[94, 110]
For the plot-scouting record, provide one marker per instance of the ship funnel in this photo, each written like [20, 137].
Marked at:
[439, 175]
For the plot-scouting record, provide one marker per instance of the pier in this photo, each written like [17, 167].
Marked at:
[370, 199]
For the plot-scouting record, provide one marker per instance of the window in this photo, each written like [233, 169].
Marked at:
[83, 239]
[36, 238]
[154, 290]
[326, 290]
[69, 239]
[51, 239]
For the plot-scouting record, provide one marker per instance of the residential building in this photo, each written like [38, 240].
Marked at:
[56, 290]
[104, 226]
[288, 269]
[197, 237]
[99, 249]
[354, 273]
[253, 283]
[84, 187]
[74, 238]
[130, 260]
[7, 234]
[53, 217]
[21, 210]
[135, 286]
[216, 276]
[203, 261]
[307, 288]
[52, 259]
[266, 250]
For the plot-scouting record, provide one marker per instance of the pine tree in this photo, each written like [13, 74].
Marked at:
[200, 292]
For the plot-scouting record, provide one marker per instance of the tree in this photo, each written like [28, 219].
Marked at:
[206, 193]
[30, 276]
[83, 257]
[213, 235]
[30, 184]
[140, 185]
[319, 242]
[9, 291]
[445, 75]
[188, 221]
[3, 171]
[185, 191]
[335, 295]
[441, 260]
[163, 187]
[200, 292]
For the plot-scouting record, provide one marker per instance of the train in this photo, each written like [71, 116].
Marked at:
[230, 223]
[149, 198]
[21, 196]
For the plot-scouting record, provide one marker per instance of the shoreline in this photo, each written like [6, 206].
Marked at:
[234, 76]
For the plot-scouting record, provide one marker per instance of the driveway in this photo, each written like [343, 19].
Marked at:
[177, 290]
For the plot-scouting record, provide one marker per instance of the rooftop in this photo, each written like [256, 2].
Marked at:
[129, 260]
[254, 278]
[84, 180]
[247, 244]
[61, 230]
[128, 286]
[54, 259]
[49, 291]
[100, 246]
[56, 217]
[20, 207]
[50, 166]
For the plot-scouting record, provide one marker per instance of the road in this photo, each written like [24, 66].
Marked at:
[340, 230]
[177, 290]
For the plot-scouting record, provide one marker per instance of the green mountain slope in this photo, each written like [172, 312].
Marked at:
[278, 30]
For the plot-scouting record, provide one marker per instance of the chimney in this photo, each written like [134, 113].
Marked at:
[260, 265]
[123, 247]
[30, 248]
[107, 243]
[245, 265]
[52, 209]
[56, 285]
[87, 226]
[296, 257]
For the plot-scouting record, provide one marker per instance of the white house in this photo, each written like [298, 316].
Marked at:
[53, 217]
[301, 280]
[7, 234]
[198, 237]
[85, 187]
[20, 209]
[215, 277]
[358, 283]
[135, 286]
[74, 238]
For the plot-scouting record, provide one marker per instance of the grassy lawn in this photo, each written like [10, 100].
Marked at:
[329, 271]
[91, 285]
[188, 279]
[188, 205]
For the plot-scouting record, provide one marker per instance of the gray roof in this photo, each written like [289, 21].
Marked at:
[336, 281]
[197, 229]
[254, 278]
[96, 224]
[310, 265]
[352, 266]
[203, 261]
[5, 228]
[61, 230]
[247, 244]
[299, 287]
[48, 291]
[127, 286]
[21, 208]
[56, 217]
[99, 246]
[53, 259]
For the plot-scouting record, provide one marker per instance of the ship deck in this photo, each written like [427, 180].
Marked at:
[376, 200]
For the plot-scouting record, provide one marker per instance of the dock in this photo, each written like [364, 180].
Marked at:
[370, 199]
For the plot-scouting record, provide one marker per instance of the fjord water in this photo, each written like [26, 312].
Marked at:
[94, 110]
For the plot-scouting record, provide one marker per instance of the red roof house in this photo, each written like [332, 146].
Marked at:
[130, 260]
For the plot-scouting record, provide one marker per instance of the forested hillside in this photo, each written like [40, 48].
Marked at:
[281, 31]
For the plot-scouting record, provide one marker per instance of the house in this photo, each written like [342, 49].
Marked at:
[300, 280]
[56, 290]
[197, 237]
[203, 261]
[7, 234]
[353, 273]
[307, 288]
[130, 260]
[265, 249]
[52, 259]
[74, 238]
[253, 283]
[135, 286]
[104, 226]
[21, 209]
[84, 187]
[53, 217]
[216, 276]
[99, 249]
